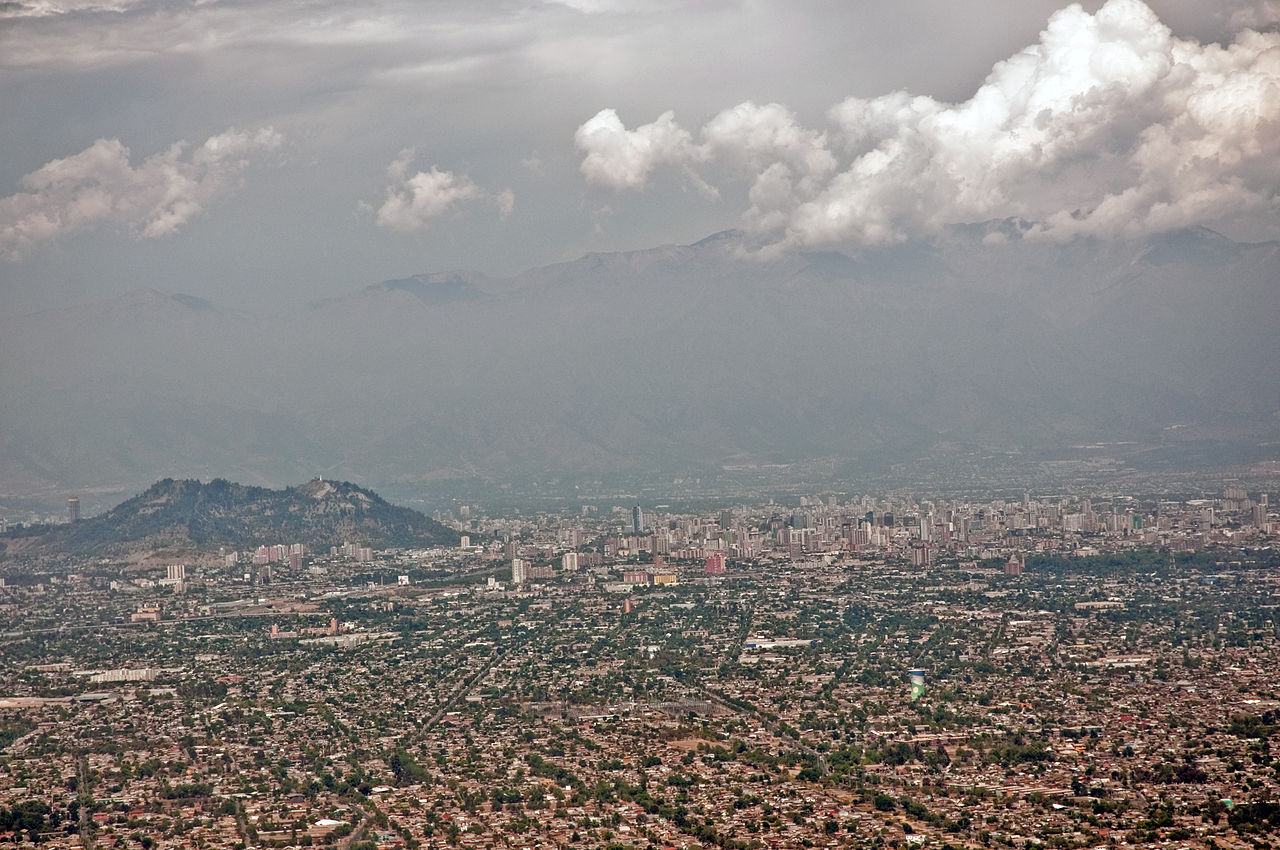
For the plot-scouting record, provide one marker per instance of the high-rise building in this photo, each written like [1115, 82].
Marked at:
[73, 509]
[637, 520]
[569, 562]
[921, 554]
[519, 571]
[176, 572]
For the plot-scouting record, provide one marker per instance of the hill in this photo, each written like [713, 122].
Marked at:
[189, 513]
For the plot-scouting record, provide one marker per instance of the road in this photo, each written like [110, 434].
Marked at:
[771, 725]
[466, 689]
[84, 794]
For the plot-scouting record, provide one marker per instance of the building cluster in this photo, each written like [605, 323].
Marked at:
[920, 532]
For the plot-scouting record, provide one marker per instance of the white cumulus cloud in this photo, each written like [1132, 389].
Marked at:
[414, 200]
[618, 158]
[1108, 125]
[100, 186]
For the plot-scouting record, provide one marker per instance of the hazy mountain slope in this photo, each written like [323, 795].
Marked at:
[675, 358]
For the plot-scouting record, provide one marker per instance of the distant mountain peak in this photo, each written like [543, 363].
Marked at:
[436, 289]
[1012, 228]
[730, 237]
[191, 301]
[1196, 246]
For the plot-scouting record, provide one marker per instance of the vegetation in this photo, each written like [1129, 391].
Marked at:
[222, 513]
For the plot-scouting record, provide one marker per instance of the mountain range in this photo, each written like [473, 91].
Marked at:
[679, 359]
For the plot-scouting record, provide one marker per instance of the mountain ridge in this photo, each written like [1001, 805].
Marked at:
[672, 359]
[188, 513]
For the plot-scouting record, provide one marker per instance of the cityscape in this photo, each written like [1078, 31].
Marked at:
[639, 425]
[1063, 672]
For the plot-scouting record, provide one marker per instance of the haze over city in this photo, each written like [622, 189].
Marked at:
[409, 243]
[639, 425]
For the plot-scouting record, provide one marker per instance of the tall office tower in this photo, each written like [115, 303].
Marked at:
[637, 520]
[73, 509]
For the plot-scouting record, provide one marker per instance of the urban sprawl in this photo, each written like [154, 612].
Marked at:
[875, 672]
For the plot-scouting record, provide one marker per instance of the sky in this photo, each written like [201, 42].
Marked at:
[266, 154]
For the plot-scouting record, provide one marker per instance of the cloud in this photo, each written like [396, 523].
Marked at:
[51, 8]
[413, 201]
[99, 186]
[1109, 125]
[1256, 14]
[619, 159]
[506, 201]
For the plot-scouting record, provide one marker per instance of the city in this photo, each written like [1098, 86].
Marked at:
[639, 425]
[877, 672]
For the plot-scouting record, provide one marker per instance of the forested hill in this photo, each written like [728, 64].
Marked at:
[222, 513]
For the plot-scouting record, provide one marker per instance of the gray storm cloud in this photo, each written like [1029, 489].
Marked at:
[413, 201]
[99, 186]
[49, 8]
[1109, 125]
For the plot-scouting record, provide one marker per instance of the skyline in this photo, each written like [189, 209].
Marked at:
[259, 155]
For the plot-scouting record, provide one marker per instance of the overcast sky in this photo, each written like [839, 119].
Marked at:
[263, 154]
